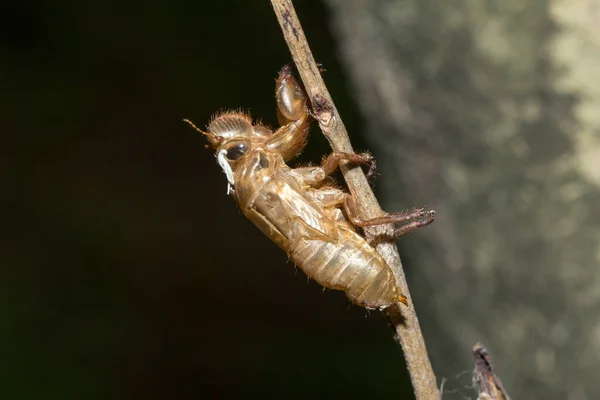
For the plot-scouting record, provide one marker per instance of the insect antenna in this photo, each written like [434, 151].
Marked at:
[196, 128]
[213, 139]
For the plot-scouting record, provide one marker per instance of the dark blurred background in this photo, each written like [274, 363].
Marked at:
[126, 271]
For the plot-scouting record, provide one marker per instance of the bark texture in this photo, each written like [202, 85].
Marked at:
[487, 112]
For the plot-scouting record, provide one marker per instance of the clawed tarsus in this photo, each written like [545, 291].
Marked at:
[416, 218]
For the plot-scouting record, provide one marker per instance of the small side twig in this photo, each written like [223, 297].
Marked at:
[402, 319]
[486, 382]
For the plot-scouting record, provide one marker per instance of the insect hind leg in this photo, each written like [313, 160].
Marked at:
[415, 219]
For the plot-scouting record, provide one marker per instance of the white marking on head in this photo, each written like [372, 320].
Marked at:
[222, 160]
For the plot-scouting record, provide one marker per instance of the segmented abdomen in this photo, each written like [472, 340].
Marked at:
[348, 264]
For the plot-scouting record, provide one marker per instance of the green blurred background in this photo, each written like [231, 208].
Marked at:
[125, 270]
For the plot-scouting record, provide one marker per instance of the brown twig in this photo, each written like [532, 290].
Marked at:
[402, 319]
[487, 383]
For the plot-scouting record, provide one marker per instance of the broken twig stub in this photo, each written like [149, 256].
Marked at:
[488, 385]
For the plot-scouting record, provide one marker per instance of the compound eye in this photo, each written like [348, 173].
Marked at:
[237, 151]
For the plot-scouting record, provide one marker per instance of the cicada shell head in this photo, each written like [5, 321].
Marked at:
[232, 136]
[236, 125]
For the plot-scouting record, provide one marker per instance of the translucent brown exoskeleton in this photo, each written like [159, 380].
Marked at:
[311, 221]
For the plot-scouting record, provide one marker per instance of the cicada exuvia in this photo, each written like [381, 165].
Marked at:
[313, 222]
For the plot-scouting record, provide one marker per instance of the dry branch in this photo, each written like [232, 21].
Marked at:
[487, 383]
[402, 319]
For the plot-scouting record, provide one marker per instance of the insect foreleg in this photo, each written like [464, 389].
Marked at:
[417, 218]
[292, 113]
[290, 139]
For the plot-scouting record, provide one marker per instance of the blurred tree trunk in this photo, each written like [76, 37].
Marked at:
[489, 112]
